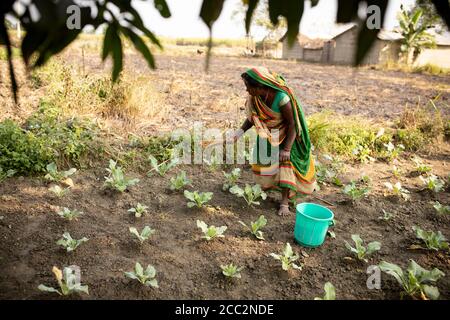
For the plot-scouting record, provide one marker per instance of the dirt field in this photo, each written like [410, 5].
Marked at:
[188, 267]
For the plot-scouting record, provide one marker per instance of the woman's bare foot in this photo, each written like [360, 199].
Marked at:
[284, 210]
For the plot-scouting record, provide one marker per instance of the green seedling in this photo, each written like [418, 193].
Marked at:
[360, 251]
[420, 166]
[287, 258]
[249, 193]
[362, 153]
[179, 182]
[433, 240]
[330, 292]
[68, 283]
[69, 214]
[139, 210]
[441, 209]
[68, 243]
[211, 232]
[198, 199]
[161, 168]
[54, 175]
[386, 216]
[397, 172]
[256, 226]
[397, 190]
[414, 280]
[231, 179]
[147, 277]
[144, 235]
[231, 271]
[58, 191]
[355, 192]
[116, 179]
[433, 183]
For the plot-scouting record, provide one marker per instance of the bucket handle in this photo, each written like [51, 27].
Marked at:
[331, 223]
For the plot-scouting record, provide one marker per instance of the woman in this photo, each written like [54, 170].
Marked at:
[279, 122]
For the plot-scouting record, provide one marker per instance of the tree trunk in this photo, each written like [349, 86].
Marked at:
[410, 56]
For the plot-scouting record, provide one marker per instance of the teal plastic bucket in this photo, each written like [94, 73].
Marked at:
[311, 224]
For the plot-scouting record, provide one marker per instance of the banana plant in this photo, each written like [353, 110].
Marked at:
[67, 281]
[147, 277]
[256, 226]
[360, 251]
[249, 193]
[414, 280]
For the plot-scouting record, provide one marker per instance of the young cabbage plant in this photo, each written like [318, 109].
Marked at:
[54, 175]
[231, 271]
[163, 167]
[287, 258]
[420, 166]
[213, 162]
[68, 283]
[360, 251]
[397, 172]
[180, 181]
[147, 277]
[414, 280]
[433, 240]
[211, 232]
[68, 243]
[386, 215]
[392, 152]
[249, 193]
[197, 198]
[69, 214]
[355, 192]
[116, 179]
[144, 235]
[397, 190]
[433, 183]
[58, 191]
[139, 210]
[330, 292]
[231, 179]
[256, 226]
[440, 208]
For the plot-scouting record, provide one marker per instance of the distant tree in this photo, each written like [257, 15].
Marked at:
[415, 36]
[47, 31]
[430, 16]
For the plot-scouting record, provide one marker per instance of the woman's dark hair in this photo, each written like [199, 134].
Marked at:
[250, 81]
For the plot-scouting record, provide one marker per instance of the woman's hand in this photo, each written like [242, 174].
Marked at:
[285, 155]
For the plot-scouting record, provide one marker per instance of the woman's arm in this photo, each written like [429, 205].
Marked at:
[240, 132]
[287, 113]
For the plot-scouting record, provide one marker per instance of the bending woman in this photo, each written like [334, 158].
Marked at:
[277, 116]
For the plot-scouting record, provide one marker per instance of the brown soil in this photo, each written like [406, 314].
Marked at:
[188, 267]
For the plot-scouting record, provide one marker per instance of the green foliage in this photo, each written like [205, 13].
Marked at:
[162, 148]
[440, 208]
[231, 271]
[420, 166]
[413, 139]
[397, 190]
[144, 235]
[69, 214]
[433, 240]
[180, 181]
[414, 280]
[68, 243]
[8, 174]
[197, 198]
[54, 175]
[287, 258]
[360, 251]
[147, 277]
[355, 192]
[163, 167]
[58, 191]
[249, 193]
[327, 170]
[433, 183]
[231, 178]
[330, 292]
[386, 216]
[116, 179]
[139, 210]
[211, 232]
[256, 226]
[67, 281]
